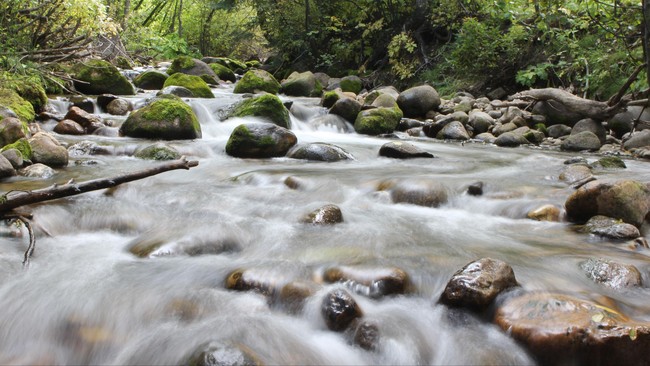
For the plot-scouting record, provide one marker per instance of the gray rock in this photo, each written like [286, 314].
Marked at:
[480, 121]
[47, 150]
[402, 150]
[622, 122]
[510, 139]
[611, 274]
[486, 137]
[158, 151]
[638, 140]
[584, 140]
[260, 140]
[421, 192]
[37, 170]
[319, 152]
[6, 168]
[118, 107]
[303, 84]
[575, 173]
[453, 131]
[590, 125]
[347, 108]
[178, 91]
[607, 227]
[559, 130]
[417, 101]
[15, 157]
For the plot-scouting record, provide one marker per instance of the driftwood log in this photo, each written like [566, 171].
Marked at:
[586, 107]
[14, 199]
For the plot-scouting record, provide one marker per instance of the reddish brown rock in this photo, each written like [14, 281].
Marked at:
[85, 119]
[69, 127]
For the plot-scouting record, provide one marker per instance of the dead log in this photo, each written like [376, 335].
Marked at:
[586, 107]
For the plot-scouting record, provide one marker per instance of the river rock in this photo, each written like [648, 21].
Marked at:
[302, 84]
[98, 77]
[610, 162]
[247, 280]
[267, 106]
[339, 310]
[475, 189]
[293, 295]
[255, 81]
[23, 146]
[6, 168]
[102, 101]
[576, 173]
[47, 150]
[88, 121]
[167, 119]
[501, 128]
[510, 139]
[13, 105]
[217, 353]
[346, 108]
[477, 284]
[325, 215]
[319, 152]
[352, 84]
[421, 192]
[159, 151]
[330, 97]
[480, 121]
[584, 140]
[366, 335]
[417, 101]
[118, 107]
[191, 66]
[161, 244]
[69, 127]
[372, 95]
[402, 150]
[11, 130]
[384, 101]
[233, 64]
[195, 84]
[610, 228]
[622, 122]
[561, 330]
[377, 121]
[151, 80]
[37, 170]
[178, 91]
[611, 274]
[627, 200]
[486, 137]
[453, 131]
[15, 157]
[638, 140]
[592, 126]
[224, 73]
[374, 282]
[556, 131]
[546, 212]
[260, 140]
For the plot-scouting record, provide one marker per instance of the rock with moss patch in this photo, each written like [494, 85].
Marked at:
[223, 72]
[267, 106]
[168, 119]
[198, 86]
[255, 81]
[352, 84]
[608, 227]
[158, 151]
[232, 64]
[29, 90]
[99, 77]
[177, 91]
[12, 101]
[610, 162]
[14, 156]
[329, 98]
[260, 140]
[585, 140]
[47, 150]
[23, 146]
[377, 121]
[151, 80]
[302, 84]
[319, 152]
[191, 66]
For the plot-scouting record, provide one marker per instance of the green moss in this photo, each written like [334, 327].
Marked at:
[164, 118]
[253, 64]
[22, 146]
[151, 79]
[28, 89]
[541, 128]
[23, 109]
[181, 63]
[223, 72]
[329, 98]
[267, 106]
[240, 135]
[194, 83]
[232, 64]
[378, 120]
[351, 84]
[257, 80]
[159, 152]
[209, 79]
[267, 141]
[611, 162]
[123, 63]
[99, 77]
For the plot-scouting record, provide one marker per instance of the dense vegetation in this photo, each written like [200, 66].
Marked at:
[588, 46]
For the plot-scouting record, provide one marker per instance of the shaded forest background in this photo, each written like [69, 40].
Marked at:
[587, 47]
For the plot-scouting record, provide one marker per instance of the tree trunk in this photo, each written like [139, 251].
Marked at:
[646, 37]
[586, 107]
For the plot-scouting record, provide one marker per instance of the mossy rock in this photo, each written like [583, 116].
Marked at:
[123, 63]
[157, 151]
[166, 119]
[266, 106]
[223, 72]
[610, 162]
[260, 140]
[302, 84]
[377, 121]
[151, 79]
[329, 98]
[191, 66]
[253, 64]
[22, 108]
[257, 81]
[230, 63]
[198, 86]
[351, 84]
[101, 77]
[11, 130]
[29, 90]
[22, 146]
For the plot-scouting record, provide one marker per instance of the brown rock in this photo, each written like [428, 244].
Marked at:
[69, 127]
[419, 192]
[339, 310]
[366, 335]
[609, 228]
[545, 213]
[244, 280]
[293, 295]
[611, 274]
[85, 119]
[326, 215]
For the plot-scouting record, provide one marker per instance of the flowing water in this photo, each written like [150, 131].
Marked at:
[86, 299]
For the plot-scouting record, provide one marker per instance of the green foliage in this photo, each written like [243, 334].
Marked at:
[400, 53]
[23, 109]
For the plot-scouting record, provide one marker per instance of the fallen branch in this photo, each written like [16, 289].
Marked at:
[585, 107]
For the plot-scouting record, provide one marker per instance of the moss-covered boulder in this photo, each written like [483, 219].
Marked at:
[260, 140]
[22, 146]
[158, 151]
[267, 106]
[352, 84]
[151, 80]
[232, 64]
[223, 72]
[191, 66]
[29, 90]
[377, 121]
[11, 100]
[302, 84]
[255, 81]
[195, 84]
[167, 119]
[329, 98]
[99, 77]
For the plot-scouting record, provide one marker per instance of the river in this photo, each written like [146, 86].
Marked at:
[86, 299]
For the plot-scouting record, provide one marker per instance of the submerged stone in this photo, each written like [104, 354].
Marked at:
[326, 215]
[339, 309]
[611, 274]
[374, 282]
[319, 152]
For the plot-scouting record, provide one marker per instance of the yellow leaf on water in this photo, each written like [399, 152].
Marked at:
[598, 318]
[633, 334]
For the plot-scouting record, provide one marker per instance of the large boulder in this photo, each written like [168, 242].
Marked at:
[417, 101]
[267, 106]
[90, 122]
[192, 66]
[99, 77]
[622, 122]
[590, 125]
[562, 330]
[585, 140]
[151, 80]
[223, 72]
[167, 119]
[12, 130]
[23, 147]
[377, 121]
[198, 86]
[255, 81]
[16, 106]
[352, 84]
[347, 108]
[453, 131]
[232, 64]
[302, 84]
[319, 152]
[625, 200]
[260, 140]
[637, 140]
[47, 150]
